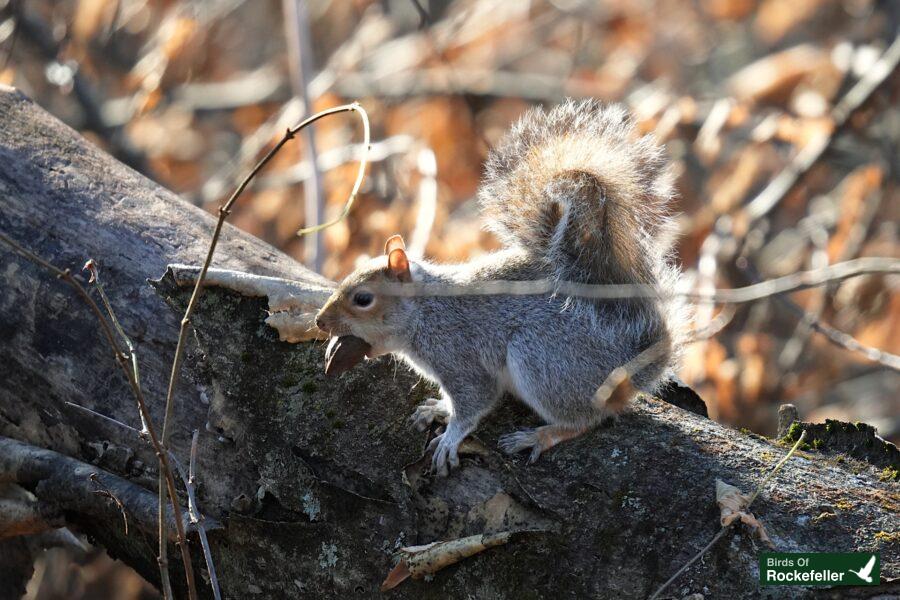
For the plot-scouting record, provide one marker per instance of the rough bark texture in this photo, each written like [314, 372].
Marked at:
[319, 481]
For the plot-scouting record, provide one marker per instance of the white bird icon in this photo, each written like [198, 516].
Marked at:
[865, 572]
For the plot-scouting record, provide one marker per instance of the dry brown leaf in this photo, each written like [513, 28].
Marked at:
[752, 349]
[801, 132]
[732, 506]
[731, 10]
[419, 561]
[178, 34]
[775, 18]
[773, 77]
[731, 185]
[854, 190]
[89, 17]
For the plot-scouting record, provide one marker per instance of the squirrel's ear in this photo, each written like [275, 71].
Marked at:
[394, 242]
[398, 264]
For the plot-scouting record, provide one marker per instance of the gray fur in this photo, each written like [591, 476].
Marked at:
[550, 352]
[592, 208]
[613, 188]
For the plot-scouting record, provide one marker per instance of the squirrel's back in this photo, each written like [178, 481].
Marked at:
[578, 188]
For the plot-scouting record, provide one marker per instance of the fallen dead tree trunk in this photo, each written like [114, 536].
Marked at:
[319, 482]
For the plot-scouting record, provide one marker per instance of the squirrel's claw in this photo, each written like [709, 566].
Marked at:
[431, 410]
[446, 455]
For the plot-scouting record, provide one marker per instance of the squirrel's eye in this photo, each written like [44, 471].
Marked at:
[363, 299]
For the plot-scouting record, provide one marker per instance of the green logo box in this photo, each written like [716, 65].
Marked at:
[819, 568]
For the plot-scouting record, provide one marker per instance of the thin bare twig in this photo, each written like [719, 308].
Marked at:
[66, 276]
[757, 291]
[856, 237]
[360, 173]
[840, 338]
[197, 517]
[694, 559]
[331, 159]
[189, 483]
[108, 494]
[91, 266]
[781, 285]
[224, 211]
[104, 417]
[727, 528]
[793, 348]
[717, 324]
[832, 334]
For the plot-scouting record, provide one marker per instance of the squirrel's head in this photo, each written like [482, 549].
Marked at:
[357, 308]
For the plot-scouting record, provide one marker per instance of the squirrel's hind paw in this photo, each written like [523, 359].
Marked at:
[527, 439]
[433, 409]
[537, 440]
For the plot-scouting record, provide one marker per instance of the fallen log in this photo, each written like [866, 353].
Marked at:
[319, 482]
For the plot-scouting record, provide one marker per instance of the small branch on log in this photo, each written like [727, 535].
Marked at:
[145, 427]
[68, 483]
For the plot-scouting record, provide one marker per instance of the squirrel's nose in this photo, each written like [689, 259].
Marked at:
[320, 323]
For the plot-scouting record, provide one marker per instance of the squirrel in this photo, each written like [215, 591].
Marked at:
[574, 196]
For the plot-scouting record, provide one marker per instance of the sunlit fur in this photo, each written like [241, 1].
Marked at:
[376, 323]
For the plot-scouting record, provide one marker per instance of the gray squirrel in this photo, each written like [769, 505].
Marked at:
[574, 195]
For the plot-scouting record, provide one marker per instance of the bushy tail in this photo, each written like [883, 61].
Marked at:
[579, 188]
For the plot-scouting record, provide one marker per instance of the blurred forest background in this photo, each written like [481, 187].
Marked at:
[191, 93]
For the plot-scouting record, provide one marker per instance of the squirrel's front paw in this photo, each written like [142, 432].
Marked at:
[433, 409]
[446, 455]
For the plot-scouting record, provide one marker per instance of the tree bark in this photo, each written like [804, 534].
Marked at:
[318, 482]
